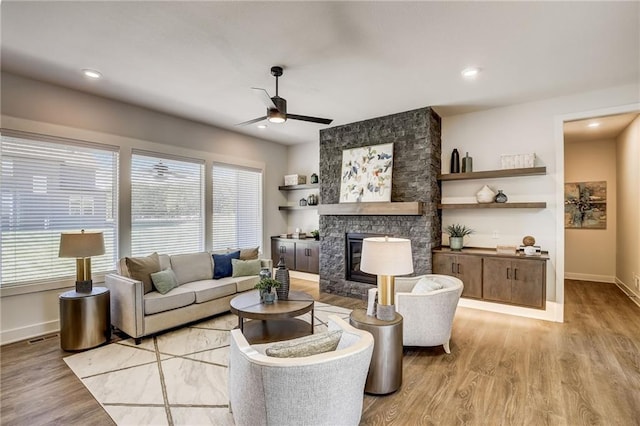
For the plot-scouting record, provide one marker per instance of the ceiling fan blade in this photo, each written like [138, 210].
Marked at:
[255, 120]
[266, 99]
[311, 119]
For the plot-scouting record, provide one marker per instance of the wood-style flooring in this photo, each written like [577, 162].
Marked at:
[502, 370]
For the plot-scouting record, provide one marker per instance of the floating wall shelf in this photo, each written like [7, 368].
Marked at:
[296, 187]
[492, 174]
[297, 207]
[528, 205]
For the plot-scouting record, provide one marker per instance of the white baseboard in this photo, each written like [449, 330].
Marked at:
[28, 332]
[554, 311]
[634, 295]
[590, 277]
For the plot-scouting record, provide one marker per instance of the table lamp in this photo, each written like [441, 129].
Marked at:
[82, 245]
[386, 257]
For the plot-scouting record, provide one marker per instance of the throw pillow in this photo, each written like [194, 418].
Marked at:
[306, 346]
[141, 268]
[245, 268]
[222, 264]
[247, 254]
[425, 285]
[164, 281]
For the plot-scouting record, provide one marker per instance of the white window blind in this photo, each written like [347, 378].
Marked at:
[50, 186]
[167, 205]
[237, 207]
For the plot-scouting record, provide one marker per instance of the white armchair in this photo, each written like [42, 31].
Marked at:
[428, 317]
[322, 389]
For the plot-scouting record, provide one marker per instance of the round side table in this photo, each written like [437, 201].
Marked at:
[385, 371]
[85, 319]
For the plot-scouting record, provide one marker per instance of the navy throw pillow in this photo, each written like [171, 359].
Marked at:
[222, 264]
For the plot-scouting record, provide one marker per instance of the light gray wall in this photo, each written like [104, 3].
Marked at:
[34, 106]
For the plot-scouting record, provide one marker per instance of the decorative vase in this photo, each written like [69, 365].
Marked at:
[467, 164]
[501, 197]
[314, 178]
[282, 276]
[264, 273]
[268, 297]
[455, 162]
[455, 243]
[485, 195]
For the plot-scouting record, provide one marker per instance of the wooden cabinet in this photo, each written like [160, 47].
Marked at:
[467, 268]
[307, 257]
[520, 282]
[513, 279]
[299, 255]
[282, 248]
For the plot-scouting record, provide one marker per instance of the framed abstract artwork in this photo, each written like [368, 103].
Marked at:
[585, 205]
[366, 174]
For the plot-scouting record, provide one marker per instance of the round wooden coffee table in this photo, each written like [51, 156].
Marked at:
[273, 322]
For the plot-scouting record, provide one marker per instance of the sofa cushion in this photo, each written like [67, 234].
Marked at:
[246, 253]
[246, 283]
[244, 268]
[306, 346]
[206, 290]
[141, 268]
[164, 281]
[222, 264]
[179, 297]
[425, 285]
[191, 267]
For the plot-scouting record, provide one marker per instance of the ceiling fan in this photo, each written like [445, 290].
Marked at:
[277, 106]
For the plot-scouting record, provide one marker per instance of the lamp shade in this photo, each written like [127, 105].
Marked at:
[386, 256]
[81, 244]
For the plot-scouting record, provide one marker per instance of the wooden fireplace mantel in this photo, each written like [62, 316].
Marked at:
[408, 208]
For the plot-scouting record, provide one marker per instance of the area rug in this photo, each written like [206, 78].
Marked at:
[175, 378]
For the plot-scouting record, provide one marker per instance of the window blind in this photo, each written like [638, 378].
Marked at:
[237, 207]
[167, 206]
[50, 186]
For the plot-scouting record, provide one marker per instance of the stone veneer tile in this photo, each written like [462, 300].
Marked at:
[416, 164]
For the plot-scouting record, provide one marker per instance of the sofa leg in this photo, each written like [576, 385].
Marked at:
[138, 340]
[446, 347]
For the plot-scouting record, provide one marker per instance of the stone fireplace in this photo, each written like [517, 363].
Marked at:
[416, 164]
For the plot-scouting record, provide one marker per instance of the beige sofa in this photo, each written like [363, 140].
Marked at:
[197, 295]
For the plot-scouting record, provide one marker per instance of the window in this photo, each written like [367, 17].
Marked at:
[166, 205]
[237, 207]
[49, 186]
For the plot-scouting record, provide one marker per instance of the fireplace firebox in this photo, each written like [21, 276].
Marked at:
[353, 255]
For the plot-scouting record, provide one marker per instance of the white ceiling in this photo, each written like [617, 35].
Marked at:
[609, 127]
[348, 61]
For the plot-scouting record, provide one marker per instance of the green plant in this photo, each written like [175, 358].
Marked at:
[457, 230]
[315, 234]
[267, 284]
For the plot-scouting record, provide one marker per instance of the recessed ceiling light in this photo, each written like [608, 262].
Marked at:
[470, 72]
[93, 74]
[262, 126]
[593, 125]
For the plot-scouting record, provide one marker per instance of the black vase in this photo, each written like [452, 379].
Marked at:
[282, 276]
[455, 162]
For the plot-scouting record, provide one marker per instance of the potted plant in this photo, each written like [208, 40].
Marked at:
[315, 234]
[265, 285]
[456, 235]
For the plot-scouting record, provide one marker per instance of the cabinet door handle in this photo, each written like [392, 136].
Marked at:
[453, 266]
[308, 252]
[283, 249]
[515, 274]
[458, 268]
[508, 273]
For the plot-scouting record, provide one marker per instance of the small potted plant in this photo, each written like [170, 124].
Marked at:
[315, 234]
[265, 285]
[456, 235]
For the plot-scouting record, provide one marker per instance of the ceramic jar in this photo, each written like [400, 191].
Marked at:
[501, 197]
[485, 195]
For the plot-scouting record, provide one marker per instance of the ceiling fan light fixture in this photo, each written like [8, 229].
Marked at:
[276, 116]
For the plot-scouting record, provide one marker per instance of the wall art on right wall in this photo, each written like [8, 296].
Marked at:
[585, 205]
